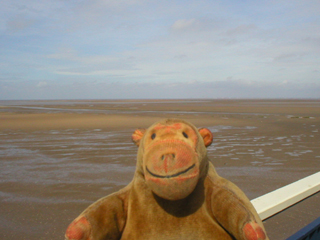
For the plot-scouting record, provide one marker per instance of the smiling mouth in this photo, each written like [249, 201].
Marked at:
[173, 175]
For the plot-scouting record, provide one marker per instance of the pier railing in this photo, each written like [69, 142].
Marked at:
[282, 198]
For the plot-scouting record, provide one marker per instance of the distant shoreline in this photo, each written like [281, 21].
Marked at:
[115, 114]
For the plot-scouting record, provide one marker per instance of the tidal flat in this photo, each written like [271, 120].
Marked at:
[57, 157]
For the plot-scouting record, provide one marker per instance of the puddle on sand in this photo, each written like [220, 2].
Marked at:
[241, 145]
[65, 157]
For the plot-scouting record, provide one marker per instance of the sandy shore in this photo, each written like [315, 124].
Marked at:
[57, 157]
[37, 115]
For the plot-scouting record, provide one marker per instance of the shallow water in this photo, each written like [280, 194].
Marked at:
[97, 157]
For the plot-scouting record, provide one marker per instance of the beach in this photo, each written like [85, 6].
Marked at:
[58, 157]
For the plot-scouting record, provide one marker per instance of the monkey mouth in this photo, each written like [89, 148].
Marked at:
[173, 175]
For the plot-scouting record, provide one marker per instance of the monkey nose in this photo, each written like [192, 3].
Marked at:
[168, 161]
[169, 156]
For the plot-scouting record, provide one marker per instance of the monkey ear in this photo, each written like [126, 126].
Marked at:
[206, 135]
[137, 136]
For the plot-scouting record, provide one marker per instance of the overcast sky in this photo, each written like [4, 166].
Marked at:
[77, 49]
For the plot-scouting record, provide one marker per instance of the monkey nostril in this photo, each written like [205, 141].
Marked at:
[170, 156]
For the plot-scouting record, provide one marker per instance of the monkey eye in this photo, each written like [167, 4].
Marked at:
[153, 136]
[185, 135]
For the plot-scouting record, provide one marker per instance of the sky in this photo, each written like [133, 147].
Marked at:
[129, 49]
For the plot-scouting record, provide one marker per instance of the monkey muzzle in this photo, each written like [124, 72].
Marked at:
[171, 169]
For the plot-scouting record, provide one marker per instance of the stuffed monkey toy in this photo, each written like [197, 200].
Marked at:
[175, 194]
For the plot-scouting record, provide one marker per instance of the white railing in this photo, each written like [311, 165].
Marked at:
[282, 198]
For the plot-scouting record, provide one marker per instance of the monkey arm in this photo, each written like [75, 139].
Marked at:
[233, 210]
[104, 219]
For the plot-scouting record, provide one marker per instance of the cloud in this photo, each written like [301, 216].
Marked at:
[182, 24]
[229, 88]
[64, 54]
[73, 63]
[19, 23]
[265, 43]
[241, 29]
[42, 84]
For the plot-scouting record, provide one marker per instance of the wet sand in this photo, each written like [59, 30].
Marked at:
[57, 157]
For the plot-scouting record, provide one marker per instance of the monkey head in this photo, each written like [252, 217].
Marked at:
[172, 157]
